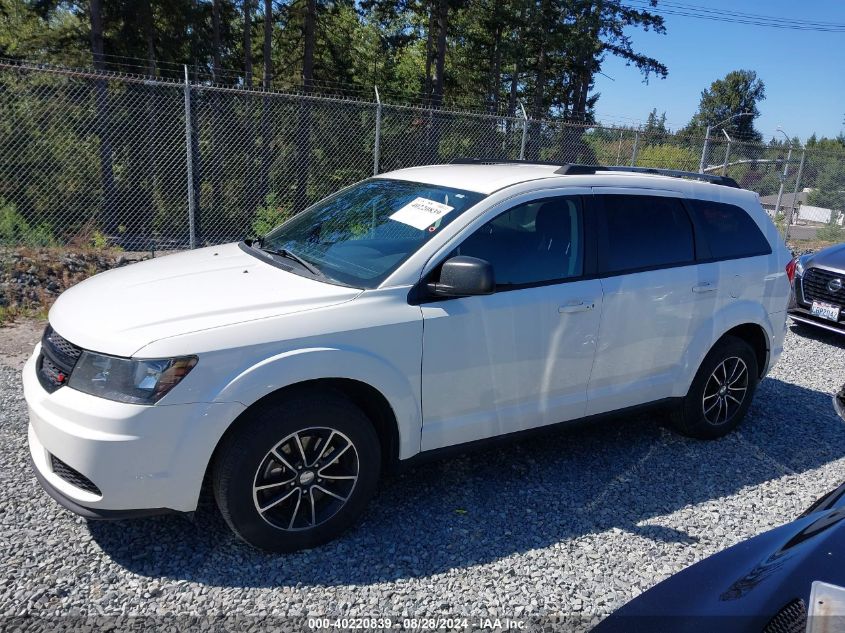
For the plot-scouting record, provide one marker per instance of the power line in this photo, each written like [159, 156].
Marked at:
[737, 17]
[754, 16]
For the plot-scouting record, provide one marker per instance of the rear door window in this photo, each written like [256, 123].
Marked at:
[729, 231]
[641, 232]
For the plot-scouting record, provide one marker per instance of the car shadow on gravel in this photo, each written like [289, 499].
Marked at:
[818, 334]
[487, 505]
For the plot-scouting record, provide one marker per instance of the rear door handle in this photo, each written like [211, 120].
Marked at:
[705, 287]
[576, 306]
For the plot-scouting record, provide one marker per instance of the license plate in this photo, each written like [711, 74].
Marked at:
[825, 311]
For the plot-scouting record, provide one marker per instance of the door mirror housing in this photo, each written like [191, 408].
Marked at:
[464, 276]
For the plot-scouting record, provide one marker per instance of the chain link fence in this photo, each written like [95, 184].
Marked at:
[101, 159]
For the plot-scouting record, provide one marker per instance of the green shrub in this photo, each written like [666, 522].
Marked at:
[269, 215]
[831, 232]
[16, 231]
[99, 240]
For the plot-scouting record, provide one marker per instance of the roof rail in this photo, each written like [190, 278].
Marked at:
[464, 160]
[574, 169]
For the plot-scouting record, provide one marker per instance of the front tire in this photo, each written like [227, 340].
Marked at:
[721, 391]
[297, 471]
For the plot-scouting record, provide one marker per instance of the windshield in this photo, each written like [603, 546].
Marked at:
[362, 234]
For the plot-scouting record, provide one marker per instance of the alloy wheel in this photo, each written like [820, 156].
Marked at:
[725, 391]
[305, 479]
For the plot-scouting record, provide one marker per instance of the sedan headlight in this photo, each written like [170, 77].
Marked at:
[129, 380]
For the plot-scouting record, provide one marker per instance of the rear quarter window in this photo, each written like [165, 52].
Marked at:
[728, 230]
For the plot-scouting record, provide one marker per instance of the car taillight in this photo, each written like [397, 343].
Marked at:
[790, 269]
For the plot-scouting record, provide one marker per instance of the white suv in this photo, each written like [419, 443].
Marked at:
[421, 309]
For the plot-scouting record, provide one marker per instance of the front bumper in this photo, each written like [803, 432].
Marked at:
[802, 315]
[799, 310]
[140, 458]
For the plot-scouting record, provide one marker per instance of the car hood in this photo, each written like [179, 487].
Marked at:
[120, 311]
[830, 257]
[749, 582]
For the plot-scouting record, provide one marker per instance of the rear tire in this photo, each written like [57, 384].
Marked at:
[721, 391]
[297, 471]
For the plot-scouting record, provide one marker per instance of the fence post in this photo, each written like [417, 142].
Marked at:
[192, 231]
[704, 151]
[727, 156]
[619, 151]
[783, 181]
[634, 149]
[377, 147]
[795, 194]
[524, 132]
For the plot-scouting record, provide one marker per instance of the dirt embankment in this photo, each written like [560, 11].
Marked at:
[31, 279]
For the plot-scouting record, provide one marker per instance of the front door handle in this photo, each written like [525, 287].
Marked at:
[576, 306]
[705, 287]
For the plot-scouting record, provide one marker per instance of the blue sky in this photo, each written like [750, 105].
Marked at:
[804, 72]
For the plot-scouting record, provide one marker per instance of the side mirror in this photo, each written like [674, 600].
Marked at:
[463, 276]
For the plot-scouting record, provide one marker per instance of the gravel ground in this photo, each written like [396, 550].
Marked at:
[575, 523]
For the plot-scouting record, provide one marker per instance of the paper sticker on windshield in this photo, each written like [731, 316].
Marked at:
[421, 213]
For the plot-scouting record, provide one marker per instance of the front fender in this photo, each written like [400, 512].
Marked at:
[730, 316]
[296, 366]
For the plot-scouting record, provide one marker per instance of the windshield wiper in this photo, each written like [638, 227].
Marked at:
[283, 252]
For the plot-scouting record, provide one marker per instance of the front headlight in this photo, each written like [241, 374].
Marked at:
[129, 380]
[799, 266]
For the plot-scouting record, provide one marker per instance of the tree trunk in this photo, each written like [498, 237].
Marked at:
[494, 84]
[573, 147]
[217, 204]
[150, 155]
[101, 99]
[215, 41]
[149, 36]
[540, 74]
[537, 109]
[520, 55]
[517, 69]
[248, 43]
[308, 35]
[429, 48]
[494, 80]
[303, 133]
[440, 64]
[266, 126]
[268, 43]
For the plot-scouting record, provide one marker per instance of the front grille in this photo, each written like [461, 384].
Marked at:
[51, 371]
[72, 476]
[814, 286]
[61, 345]
[792, 618]
[58, 357]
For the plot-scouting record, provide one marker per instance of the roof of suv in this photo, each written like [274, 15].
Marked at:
[487, 178]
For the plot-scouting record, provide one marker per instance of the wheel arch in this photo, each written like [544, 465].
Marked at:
[744, 320]
[757, 338]
[366, 397]
[369, 399]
